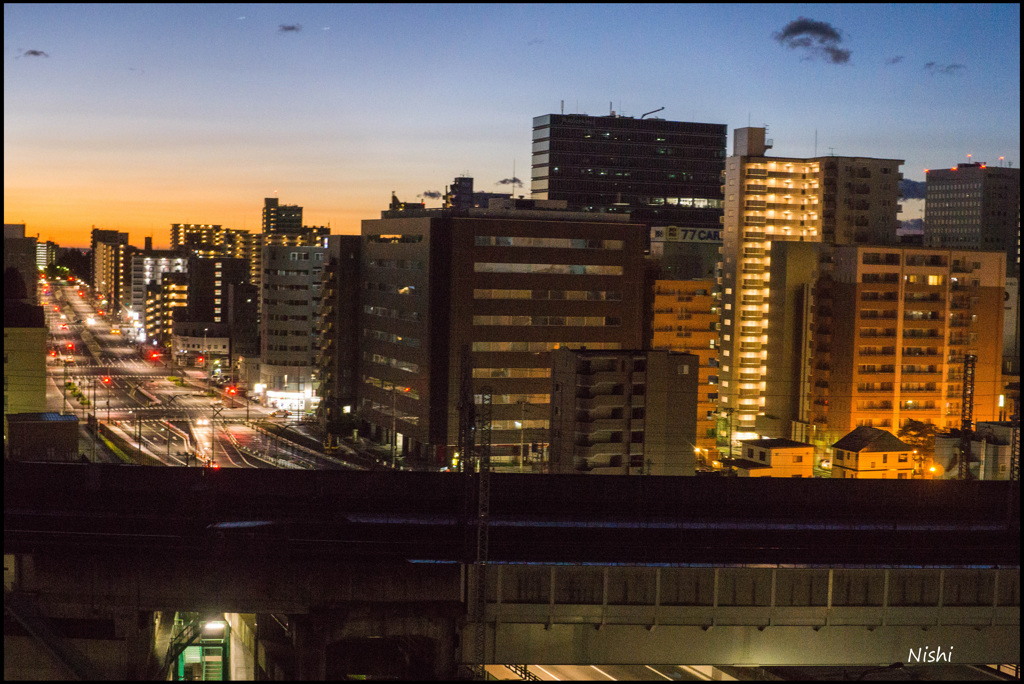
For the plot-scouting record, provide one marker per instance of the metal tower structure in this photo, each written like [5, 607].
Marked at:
[966, 417]
[482, 533]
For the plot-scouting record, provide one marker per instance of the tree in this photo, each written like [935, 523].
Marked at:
[919, 435]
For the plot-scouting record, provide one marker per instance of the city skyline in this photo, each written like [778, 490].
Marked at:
[135, 117]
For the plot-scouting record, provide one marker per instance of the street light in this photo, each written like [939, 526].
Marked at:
[203, 358]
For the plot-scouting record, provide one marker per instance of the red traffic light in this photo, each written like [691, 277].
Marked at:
[232, 390]
[200, 359]
[53, 352]
[70, 346]
[106, 379]
[154, 355]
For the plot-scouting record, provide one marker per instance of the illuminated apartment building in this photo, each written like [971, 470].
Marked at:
[207, 241]
[685, 319]
[901, 320]
[147, 268]
[782, 215]
[162, 298]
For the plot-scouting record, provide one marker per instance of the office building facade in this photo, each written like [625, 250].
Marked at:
[974, 206]
[510, 283]
[659, 172]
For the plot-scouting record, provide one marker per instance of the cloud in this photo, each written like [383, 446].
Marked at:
[894, 60]
[817, 38]
[912, 189]
[286, 28]
[948, 69]
[34, 53]
[510, 181]
[430, 194]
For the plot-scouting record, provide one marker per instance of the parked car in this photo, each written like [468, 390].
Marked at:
[280, 413]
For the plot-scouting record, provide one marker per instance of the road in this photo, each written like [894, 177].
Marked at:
[163, 411]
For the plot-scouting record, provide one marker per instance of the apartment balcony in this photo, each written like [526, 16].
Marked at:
[754, 205]
[921, 334]
[909, 352]
[753, 284]
[754, 235]
[750, 363]
[600, 425]
[756, 189]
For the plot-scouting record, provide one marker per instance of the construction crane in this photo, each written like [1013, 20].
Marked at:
[966, 417]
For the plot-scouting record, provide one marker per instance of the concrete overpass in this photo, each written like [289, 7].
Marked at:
[584, 570]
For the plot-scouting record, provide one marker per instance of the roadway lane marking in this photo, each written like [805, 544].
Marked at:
[658, 673]
[546, 672]
[604, 673]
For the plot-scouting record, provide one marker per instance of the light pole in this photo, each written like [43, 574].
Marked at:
[522, 431]
[394, 423]
[204, 359]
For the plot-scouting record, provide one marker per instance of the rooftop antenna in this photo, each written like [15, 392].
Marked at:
[563, 106]
[831, 151]
[815, 142]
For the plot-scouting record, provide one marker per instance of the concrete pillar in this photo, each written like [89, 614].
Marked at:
[310, 640]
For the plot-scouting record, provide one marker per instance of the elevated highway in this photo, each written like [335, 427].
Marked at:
[583, 569]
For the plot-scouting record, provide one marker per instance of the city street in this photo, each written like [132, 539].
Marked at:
[173, 416]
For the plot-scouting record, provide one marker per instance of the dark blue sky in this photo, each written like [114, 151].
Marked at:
[135, 117]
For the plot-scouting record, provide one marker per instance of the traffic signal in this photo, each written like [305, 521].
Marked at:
[232, 390]
[200, 359]
[154, 355]
[106, 379]
[71, 346]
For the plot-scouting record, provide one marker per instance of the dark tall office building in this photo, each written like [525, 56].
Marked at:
[660, 172]
[511, 283]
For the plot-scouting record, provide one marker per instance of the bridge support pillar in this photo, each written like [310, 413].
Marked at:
[310, 642]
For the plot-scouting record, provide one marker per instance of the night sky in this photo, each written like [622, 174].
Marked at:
[136, 117]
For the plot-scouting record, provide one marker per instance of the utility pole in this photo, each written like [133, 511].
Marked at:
[394, 423]
[482, 536]
[215, 412]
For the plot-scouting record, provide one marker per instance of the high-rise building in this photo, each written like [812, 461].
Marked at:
[292, 281]
[111, 264]
[782, 215]
[627, 412]
[281, 218]
[974, 206]
[337, 333]
[147, 268]
[895, 325]
[20, 254]
[659, 172]
[685, 318]
[24, 348]
[511, 283]
[162, 299]
[102, 235]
